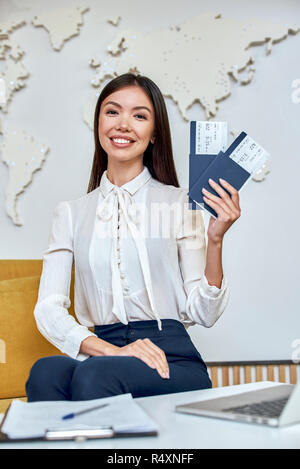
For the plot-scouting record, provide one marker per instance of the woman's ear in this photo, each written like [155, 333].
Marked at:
[152, 139]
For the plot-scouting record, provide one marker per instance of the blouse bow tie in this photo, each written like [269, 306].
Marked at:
[107, 207]
[108, 210]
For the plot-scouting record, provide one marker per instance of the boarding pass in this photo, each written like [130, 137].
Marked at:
[249, 155]
[211, 137]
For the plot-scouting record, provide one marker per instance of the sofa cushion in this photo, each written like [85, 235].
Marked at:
[21, 344]
[5, 403]
[17, 268]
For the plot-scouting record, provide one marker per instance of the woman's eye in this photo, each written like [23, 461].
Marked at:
[137, 115]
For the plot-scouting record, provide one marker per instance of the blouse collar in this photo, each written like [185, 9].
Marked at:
[132, 186]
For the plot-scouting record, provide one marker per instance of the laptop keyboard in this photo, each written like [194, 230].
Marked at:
[264, 408]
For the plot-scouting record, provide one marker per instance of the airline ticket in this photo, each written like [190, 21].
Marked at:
[211, 137]
[249, 155]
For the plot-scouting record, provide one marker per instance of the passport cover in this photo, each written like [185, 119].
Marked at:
[198, 163]
[197, 166]
[222, 166]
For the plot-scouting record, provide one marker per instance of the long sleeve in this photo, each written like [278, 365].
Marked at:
[205, 303]
[51, 310]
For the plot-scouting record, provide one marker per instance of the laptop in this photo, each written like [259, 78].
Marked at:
[275, 406]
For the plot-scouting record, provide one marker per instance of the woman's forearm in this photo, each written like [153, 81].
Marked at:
[213, 268]
[96, 347]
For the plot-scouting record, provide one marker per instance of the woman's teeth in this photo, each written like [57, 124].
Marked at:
[121, 140]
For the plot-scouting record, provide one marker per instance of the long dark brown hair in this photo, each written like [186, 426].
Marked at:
[158, 157]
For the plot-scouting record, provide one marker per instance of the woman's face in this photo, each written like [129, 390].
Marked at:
[126, 123]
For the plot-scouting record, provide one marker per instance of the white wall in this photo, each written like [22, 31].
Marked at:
[261, 250]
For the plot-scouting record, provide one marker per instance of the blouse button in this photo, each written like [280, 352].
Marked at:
[122, 273]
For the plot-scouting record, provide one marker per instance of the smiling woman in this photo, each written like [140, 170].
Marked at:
[138, 292]
[131, 107]
[124, 133]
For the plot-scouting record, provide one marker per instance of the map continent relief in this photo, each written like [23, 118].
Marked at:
[23, 156]
[191, 62]
[20, 152]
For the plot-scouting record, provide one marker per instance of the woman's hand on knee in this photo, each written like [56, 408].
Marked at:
[96, 347]
[148, 352]
[144, 349]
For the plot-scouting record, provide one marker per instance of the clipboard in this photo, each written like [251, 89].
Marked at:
[75, 434]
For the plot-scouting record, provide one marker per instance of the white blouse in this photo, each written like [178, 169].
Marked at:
[139, 253]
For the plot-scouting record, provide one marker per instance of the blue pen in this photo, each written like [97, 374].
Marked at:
[74, 414]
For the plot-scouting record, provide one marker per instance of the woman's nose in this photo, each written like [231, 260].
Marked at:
[123, 127]
[123, 123]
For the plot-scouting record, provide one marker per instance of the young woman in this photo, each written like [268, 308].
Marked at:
[139, 291]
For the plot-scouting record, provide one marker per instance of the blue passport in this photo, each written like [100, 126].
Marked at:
[197, 164]
[203, 167]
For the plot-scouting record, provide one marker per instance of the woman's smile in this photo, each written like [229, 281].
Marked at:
[121, 142]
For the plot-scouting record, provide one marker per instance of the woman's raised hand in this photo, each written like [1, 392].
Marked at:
[227, 208]
[145, 350]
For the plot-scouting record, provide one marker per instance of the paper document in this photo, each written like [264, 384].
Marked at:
[33, 419]
[210, 137]
[249, 155]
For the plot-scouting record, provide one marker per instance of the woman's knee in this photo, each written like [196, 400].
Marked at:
[40, 370]
[95, 378]
[45, 373]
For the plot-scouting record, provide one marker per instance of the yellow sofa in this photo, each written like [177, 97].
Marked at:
[21, 344]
